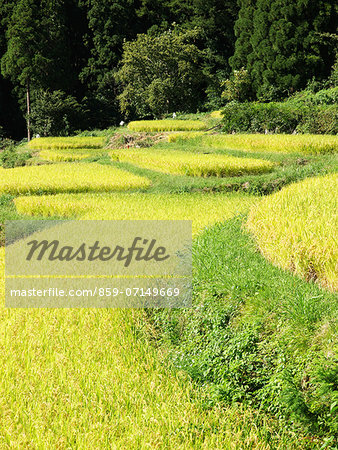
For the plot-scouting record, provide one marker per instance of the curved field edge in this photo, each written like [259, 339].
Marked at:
[167, 125]
[203, 210]
[71, 378]
[70, 155]
[193, 164]
[74, 142]
[256, 334]
[296, 229]
[284, 143]
[63, 177]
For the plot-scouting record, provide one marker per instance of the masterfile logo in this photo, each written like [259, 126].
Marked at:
[140, 250]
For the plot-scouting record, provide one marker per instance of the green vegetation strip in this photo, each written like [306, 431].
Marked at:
[257, 334]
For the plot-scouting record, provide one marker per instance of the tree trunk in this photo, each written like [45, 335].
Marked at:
[28, 113]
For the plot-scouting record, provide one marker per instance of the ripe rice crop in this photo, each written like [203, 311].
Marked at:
[68, 178]
[284, 143]
[202, 209]
[216, 115]
[185, 135]
[90, 370]
[193, 164]
[296, 229]
[69, 155]
[56, 143]
[166, 125]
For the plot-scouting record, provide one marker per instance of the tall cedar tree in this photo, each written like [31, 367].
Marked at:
[285, 49]
[11, 120]
[110, 23]
[23, 61]
[38, 55]
[216, 18]
[243, 30]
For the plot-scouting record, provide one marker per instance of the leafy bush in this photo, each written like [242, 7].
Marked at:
[161, 74]
[323, 97]
[284, 117]
[55, 114]
[320, 120]
[238, 86]
[296, 229]
[11, 156]
[193, 164]
[260, 117]
[68, 178]
[166, 125]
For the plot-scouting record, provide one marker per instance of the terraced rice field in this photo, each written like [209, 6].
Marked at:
[192, 164]
[216, 114]
[166, 125]
[68, 155]
[297, 229]
[93, 378]
[56, 143]
[203, 210]
[85, 379]
[68, 178]
[307, 144]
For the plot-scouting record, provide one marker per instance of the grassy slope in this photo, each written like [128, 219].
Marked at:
[256, 334]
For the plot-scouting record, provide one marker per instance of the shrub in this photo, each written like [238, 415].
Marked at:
[193, 164]
[68, 178]
[166, 125]
[259, 117]
[320, 120]
[55, 114]
[323, 97]
[238, 86]
[11, 156]
[284, 117]
[296, 229]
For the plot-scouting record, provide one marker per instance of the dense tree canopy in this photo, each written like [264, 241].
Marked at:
[280, 43]
[74, 49]
[160, 74]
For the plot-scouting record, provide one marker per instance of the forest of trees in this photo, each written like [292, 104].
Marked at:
[79, 64]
